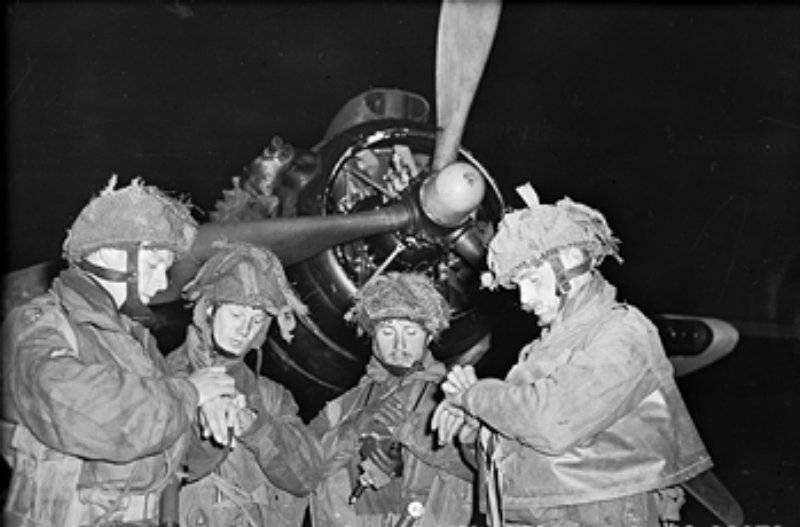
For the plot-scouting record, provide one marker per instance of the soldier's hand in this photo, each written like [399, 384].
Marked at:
[384, 452]
[212, 382]
[216, 417]
[458, 380]
[447, 421]
[239, 417]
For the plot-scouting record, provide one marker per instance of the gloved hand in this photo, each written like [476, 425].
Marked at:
[215, 419]
[459, 380]
[383, 452]
[449, 420]
[381, 460]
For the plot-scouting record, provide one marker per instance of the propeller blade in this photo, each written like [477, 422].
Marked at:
[291, 239]
[466, 32]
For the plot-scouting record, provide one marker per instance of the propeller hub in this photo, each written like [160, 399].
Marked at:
[449, 196]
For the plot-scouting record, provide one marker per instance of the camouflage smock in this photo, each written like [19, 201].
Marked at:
[590, 412]
[265, 479]
[93, 425]
[436, 477]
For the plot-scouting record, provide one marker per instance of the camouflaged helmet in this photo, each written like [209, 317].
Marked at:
[128, 216]
[536, 234]
[244, 274]
[409, 296]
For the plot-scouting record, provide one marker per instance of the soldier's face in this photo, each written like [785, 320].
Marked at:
[400, 342]
[235, 326]
[152, 276]
[537, 292]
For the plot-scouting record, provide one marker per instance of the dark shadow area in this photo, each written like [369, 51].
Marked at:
[745, 407]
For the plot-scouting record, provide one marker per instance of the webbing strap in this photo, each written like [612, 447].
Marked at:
[563, 276]
[104, 272]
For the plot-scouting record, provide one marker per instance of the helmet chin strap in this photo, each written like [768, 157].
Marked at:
[225, 354]
[563, 276]
[132, 306]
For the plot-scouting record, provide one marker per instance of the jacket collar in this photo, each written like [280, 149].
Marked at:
[86, 301]
[594, 297]
[431, 370]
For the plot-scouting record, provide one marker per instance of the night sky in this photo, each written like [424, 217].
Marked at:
[682, 124]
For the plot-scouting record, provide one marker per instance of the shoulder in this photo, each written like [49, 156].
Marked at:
[41, 315]
[177, 360]
[633, 320]
[337, 409]
[434, 371]
[34, 309]
[623, 318]
[622, 333]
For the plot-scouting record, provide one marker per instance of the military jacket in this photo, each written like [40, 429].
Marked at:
[437, 477]
[265, 478]
[590, 411]
[93, 425]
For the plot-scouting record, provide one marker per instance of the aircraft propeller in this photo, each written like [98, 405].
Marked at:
[446, 198]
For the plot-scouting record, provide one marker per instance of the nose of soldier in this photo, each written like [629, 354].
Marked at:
[152, 283]
[399, 342]
[245, 327]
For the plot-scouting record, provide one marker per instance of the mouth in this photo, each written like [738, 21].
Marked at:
[399, 357]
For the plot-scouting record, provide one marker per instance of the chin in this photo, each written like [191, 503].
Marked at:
[233, 350]
[400, 363]
[545, 320]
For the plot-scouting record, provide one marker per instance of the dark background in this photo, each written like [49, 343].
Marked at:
[680, 123]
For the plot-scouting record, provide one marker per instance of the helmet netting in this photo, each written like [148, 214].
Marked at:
[532, 235]
[129, 216]
[244, 274]
[409, 296]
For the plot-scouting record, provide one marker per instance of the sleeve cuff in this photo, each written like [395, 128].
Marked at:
[259, 435]
[188, 394]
